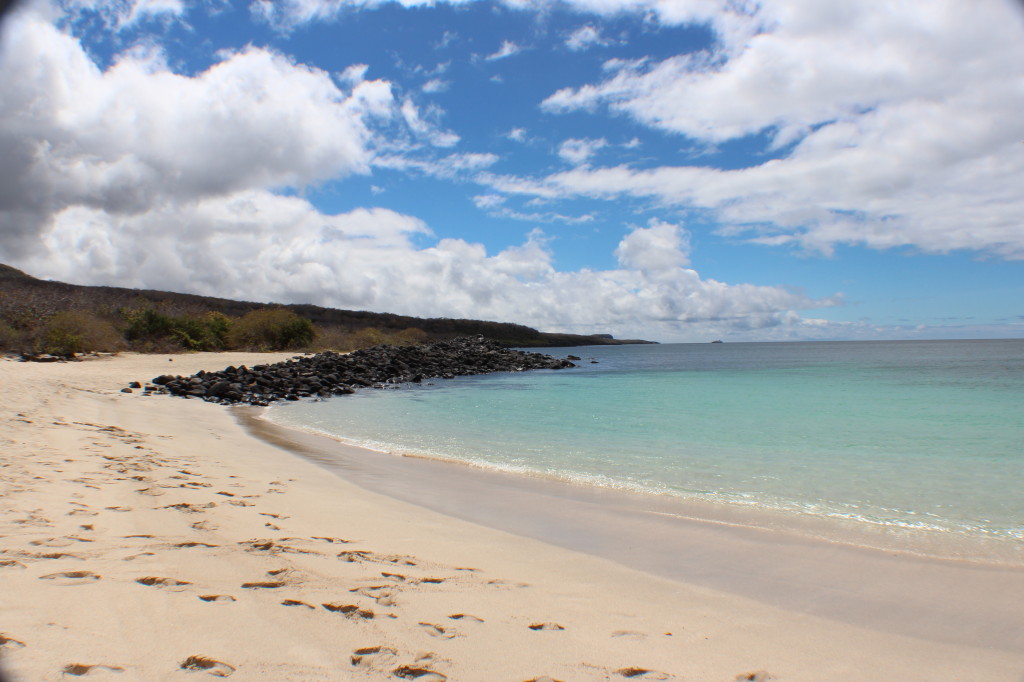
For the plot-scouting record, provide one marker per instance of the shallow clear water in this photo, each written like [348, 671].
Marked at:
[925, 435]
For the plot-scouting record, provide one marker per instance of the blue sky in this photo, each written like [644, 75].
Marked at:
[679, 170]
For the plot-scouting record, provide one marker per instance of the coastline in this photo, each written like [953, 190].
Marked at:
[102, 489]
[764, 556]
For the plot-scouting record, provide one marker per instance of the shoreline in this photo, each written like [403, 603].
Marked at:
[922, 543]
[890, 588]
[155, 538]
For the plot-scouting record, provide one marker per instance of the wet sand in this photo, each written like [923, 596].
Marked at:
[744, 552]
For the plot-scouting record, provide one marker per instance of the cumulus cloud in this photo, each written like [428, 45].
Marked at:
[578, 152]
[139, 135]
[254, 244]
[660, 247]
[914, 142]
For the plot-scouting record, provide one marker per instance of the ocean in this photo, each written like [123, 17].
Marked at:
[924, 438]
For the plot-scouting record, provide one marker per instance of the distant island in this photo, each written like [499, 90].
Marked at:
[42, 316]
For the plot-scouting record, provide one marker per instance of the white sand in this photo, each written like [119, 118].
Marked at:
[240, 545]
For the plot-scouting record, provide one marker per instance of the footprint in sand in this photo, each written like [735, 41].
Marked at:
[355, 555]
[418, 673]
[208, 665]
[543, 678]
[9, 642]
[757, 676]
[438, 631]
[631, 635]
[133, 557]
[644, 673]
[186, 545]
[217, 597]
[51, 542]
[154, 581]
[382, 594]
[506, 583]
[71, 577]
[350, 611]
[11, 563]
[263, 585]
[56, 555]
[374, 657]
[469, 618]
[546, 626]
[79, 669]
[296, 602]
[190, 508]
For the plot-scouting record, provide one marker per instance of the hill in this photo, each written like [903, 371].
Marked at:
[152, 320]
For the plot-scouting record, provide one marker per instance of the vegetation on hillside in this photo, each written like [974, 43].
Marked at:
[57, 318]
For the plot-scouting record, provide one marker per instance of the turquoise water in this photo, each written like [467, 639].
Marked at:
[920, 435]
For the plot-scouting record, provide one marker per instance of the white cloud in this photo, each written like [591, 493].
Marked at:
[733, 21]
[584, 38]
[453, 166]
[435, 85]
[915, 141]
[516, 134]
[488, 201]
[427, 130]
[507, 49]
[121, 14]
[660, 247]
[257, 245]
[139, 135]
[578, 152]
[353, 74]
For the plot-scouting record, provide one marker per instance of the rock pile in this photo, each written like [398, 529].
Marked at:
[327, 374]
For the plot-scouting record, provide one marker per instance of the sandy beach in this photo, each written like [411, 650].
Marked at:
[154, 538]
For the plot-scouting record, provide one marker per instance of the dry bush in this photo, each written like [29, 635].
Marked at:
[368, 337]
[333, 338]
[271, 329]
[413, 336]
[78, 332]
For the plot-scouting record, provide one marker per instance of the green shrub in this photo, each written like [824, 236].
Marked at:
[218, 328]
[78, 332]
[271, 329]
[147, 324]
[11, 339]
[151, 330]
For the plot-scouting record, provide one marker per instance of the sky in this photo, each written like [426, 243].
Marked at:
[674, 170]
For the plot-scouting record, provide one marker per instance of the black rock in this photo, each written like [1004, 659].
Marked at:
[325, 374]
